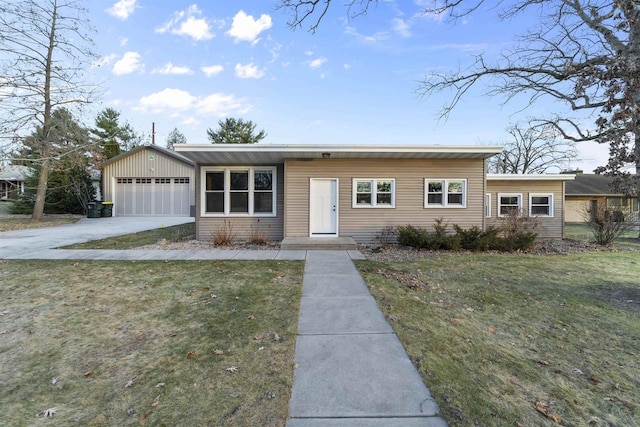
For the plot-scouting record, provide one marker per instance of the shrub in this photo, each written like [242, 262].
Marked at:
[257, 236]
[223, 235]
[386, 236]
[605, 226]
[472, 239]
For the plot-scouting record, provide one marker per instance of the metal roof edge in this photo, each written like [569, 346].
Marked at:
[153, 147]
[530, 177]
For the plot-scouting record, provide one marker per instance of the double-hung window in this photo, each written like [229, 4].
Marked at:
[239, 191]
[445, 193]
[374, 193]
[540, 204]
[509, 203]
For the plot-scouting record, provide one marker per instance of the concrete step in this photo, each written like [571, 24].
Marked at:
[319, 243]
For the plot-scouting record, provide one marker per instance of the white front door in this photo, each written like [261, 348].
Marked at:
[323, 207]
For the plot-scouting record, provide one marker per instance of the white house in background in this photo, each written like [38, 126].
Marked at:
[12, 179]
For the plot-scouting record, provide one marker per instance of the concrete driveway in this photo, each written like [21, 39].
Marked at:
[34, 240]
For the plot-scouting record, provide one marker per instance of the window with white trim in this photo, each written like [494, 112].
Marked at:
[508, 203]
[374, 193]
[540, 204]
[445, 193]
[239, 191]
[487, 205]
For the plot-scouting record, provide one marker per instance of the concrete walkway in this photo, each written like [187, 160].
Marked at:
[351, 368]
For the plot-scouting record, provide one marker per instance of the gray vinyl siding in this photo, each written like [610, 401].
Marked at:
[138, 165]
[242, 226]
[548, 227]
[363, 224]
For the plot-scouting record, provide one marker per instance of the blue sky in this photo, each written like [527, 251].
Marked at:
[187, 65]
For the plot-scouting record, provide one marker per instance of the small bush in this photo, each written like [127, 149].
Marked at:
[605, 226]
[386, 236]
[472, 239]
[257, 236]
[223, 235]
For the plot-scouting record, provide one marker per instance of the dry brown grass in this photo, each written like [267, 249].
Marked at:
[156, 339]
[517, 340]
[20, 222]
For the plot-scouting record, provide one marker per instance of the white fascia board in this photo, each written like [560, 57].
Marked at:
[308, 148]
[530, 177]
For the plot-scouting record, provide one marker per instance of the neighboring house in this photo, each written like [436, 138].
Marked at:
[540, 196]
[149, 181]
[590, 192]
[292, 191]
[12, 179]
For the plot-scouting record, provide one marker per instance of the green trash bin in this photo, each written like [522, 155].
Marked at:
[107, 209]
[94, 209]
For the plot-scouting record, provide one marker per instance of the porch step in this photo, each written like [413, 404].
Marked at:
[319, 243]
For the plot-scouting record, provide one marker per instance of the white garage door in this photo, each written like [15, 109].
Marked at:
[152, 197]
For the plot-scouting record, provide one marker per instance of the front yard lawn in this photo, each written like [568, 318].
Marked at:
[173, 233]
[24, 221]
[154, 343]
[520, 340]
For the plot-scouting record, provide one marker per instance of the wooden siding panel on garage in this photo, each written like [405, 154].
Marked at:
[548, 227]
[363, 224]
[242, 226]
[139, 165]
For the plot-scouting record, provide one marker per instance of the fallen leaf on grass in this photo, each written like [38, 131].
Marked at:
[251, 317]
[54, 380]
[492, 329]
[130, 411]
[48, 412]
[191, 354]
[577, 371]
[156, 401]
[231, 369]
[129, 383]
[88, 374]
[218, 352]
[543, 362]
[159, 385]
[276, 337]
[145, 415]
[543, 408]
[261, 348]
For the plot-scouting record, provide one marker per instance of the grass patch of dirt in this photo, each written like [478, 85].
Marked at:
[20, 222]
[520, 340]
[153, 343]
[174, 233]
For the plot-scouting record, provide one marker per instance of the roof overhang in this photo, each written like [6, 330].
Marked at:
[530, 177]
[219, 154]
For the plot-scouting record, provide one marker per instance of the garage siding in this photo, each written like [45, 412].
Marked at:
[149, 182]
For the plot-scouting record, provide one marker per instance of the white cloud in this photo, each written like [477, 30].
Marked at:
[129, 63]
[248, 71]
[122, 9]
[401, 27]
[220, 104]
[189, 22]
[347, 66]
[180, 103]
[169, 68]
[104, 61]
[212, 70]
[167, 99]
[316, 63]
[123, 41]
[246, 28]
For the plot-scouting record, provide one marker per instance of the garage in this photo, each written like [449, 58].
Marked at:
[152, 196]
[149, 181]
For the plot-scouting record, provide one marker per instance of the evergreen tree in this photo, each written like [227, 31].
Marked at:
[235, 131]
[175, 137]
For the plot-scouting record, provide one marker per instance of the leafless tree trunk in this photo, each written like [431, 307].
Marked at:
[44, 47]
